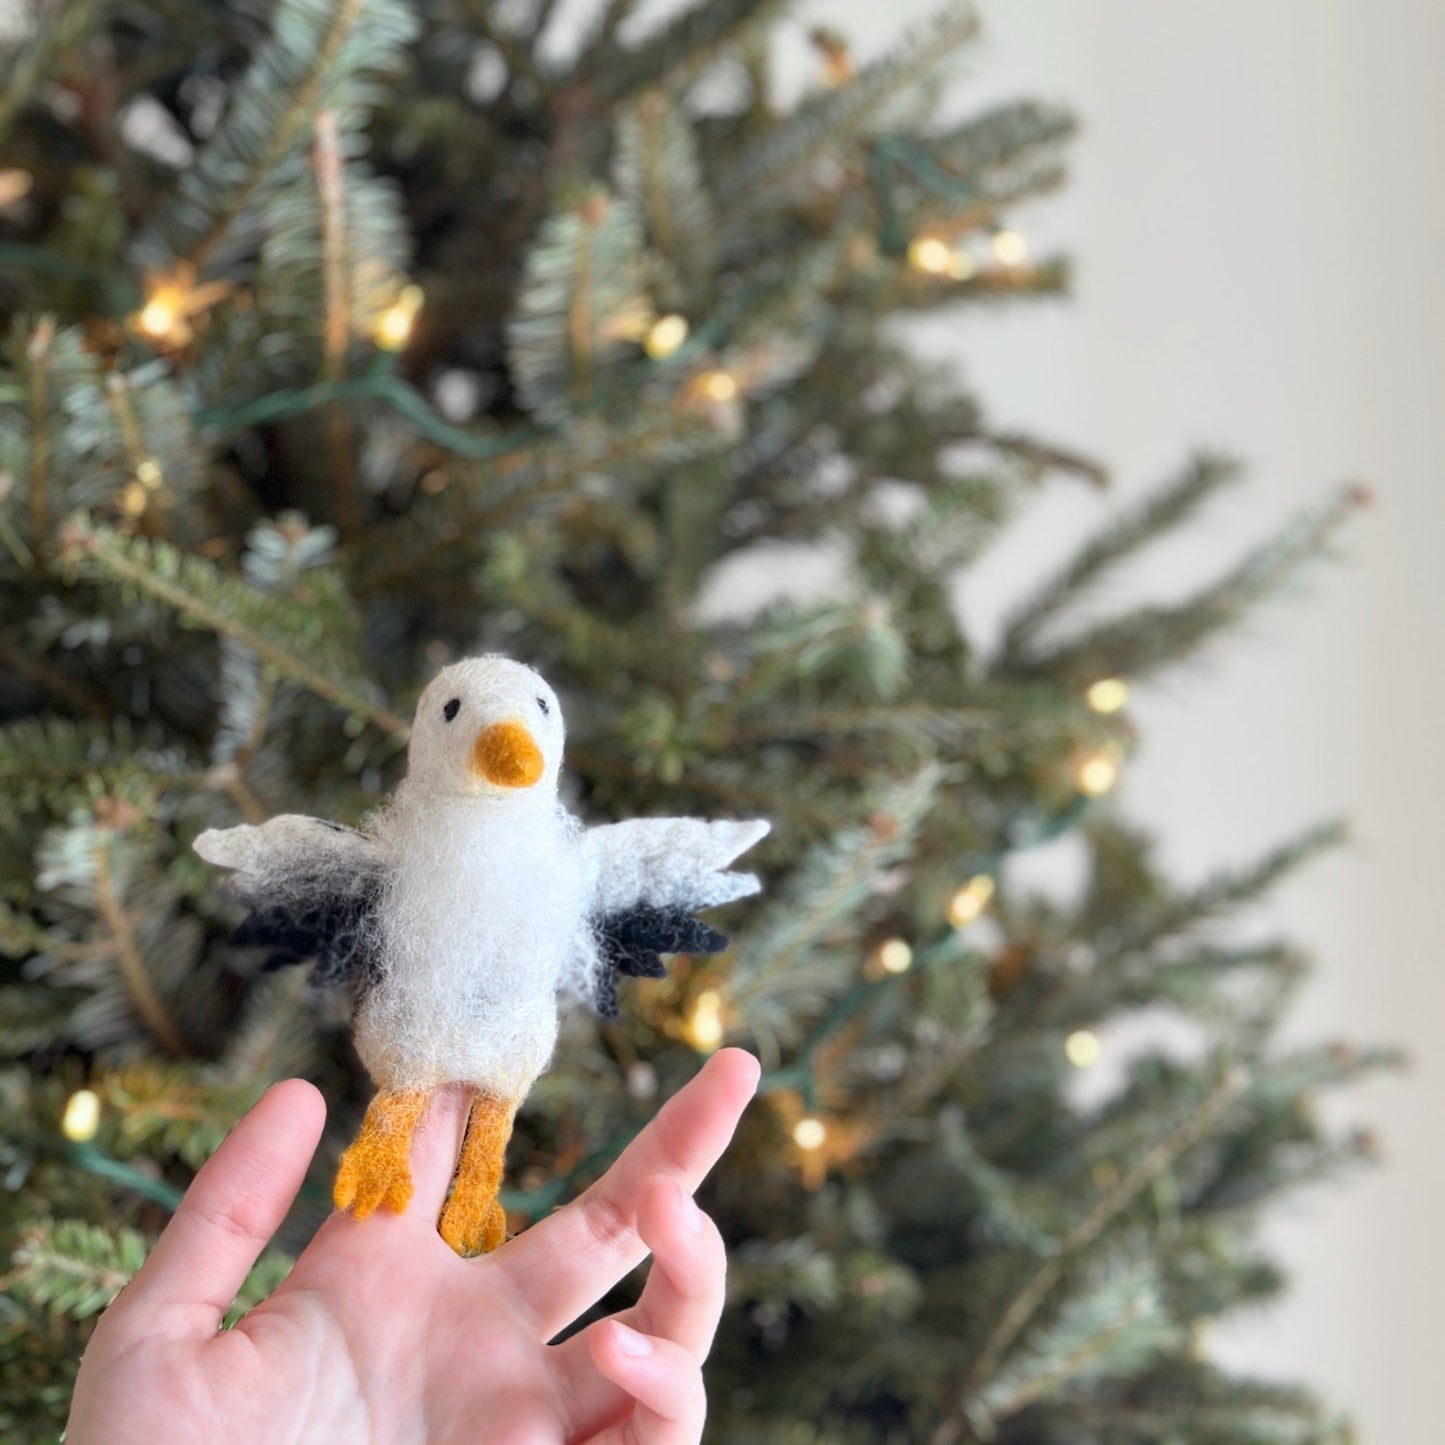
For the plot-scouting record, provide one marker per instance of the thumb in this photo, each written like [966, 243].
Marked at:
[233, 1207]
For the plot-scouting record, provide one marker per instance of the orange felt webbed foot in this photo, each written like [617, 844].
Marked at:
[376, 1169]
[473, 1221]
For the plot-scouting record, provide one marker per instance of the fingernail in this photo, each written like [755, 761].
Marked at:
[691, 1214]
[632, 1343]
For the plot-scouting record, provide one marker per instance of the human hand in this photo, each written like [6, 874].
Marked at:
[381, 1334]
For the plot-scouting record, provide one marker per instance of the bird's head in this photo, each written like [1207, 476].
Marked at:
[486, 727]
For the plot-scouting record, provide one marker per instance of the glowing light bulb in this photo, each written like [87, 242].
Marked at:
[970, 900]
[158, 318]
[665, 335]
[1009, 248]
[1097, 775]
[931, 255]
[1108, 695]
[172, 299]
[148, 473]
[960, 265]
[134, 499]
[895, 955]
[719, 386]
[1083, 1049]
[705, 1024]
[394, 325]
[809, 1133]
[82, 1115]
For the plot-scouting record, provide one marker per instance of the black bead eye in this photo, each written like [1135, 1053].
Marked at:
[452, 709]
[546, 710]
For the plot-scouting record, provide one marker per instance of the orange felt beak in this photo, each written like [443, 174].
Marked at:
[505, 755]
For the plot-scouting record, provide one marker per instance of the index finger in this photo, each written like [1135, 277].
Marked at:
[233, 1207]
[568, 1261]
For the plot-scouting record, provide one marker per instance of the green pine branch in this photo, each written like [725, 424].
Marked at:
[314, 646]
[659, 173]
[59, 31]
[1154, 638]
[1160, 514]
[1013, 1317]
[581, 300]
[69, 1267]
[321, 54]
[676, 51]
[787, 971]
[838, 117]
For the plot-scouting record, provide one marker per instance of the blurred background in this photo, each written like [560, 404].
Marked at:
[1255, 229]
[1258, 233]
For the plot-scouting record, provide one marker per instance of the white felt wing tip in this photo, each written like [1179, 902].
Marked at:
[727, 840]
[733, 886]
[227, 847]
[748, 832]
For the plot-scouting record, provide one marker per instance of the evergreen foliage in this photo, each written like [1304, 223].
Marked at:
[251, 497]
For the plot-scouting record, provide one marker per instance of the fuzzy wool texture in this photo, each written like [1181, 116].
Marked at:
[480, 898]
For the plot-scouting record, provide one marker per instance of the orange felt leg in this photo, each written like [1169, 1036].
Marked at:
[473, 1221]
[376, 1168]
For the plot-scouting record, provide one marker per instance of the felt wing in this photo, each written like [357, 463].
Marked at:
[313, 889]
[648, 878]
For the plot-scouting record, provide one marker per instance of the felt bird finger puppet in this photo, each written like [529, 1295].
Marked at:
[462, 909]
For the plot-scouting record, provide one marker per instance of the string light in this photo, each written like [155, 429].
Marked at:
[394, 325]
[1009, 248]
[960, 265]
[82, 1115]
[1097, 775]
[172, 298]
[1083, 1049]
[705, 1023]
[134, 499]
[810, 1133]
[895, 955]
[931, 255]
[1108, 695]
[970, 900]
[719, 386]
[148, 473]
[838, 66]
[665, 335]
[15, 185]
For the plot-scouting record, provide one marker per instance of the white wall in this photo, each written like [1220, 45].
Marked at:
[1258, 217]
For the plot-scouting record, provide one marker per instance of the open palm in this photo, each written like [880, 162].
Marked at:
[381, 1334]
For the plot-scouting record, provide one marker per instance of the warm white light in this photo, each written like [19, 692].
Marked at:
[148, 472]
[665, 335]
[895, 955]
[809, 1134]
[1083, 1049]
[1097, 775]
[172, 298]
[394, 325]
[960, 265]
[1010, 248]
[157, 318]
[82, 1115]
[931, 254]
[720, 386]
[1108, 695]
[970, 900]
[705, 1025]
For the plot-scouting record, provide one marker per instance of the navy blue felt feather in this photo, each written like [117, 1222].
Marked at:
[633, 942]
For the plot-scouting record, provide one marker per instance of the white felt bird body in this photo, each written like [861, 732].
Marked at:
[463, 909]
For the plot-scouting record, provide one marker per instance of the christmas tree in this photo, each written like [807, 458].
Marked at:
[344, 338]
